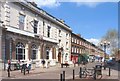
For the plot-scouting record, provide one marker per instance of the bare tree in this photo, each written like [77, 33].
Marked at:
[112, 37]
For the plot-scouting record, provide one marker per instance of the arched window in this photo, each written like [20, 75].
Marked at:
[20, 51]
[34, 52]
[47, 52]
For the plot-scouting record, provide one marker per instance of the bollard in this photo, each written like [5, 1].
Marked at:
[104, 68]
[8, 71]
[24, 68]
[80, 73]
[109, 71]
[94, 74]
[63, 75]
[61, 65]
[73, 74]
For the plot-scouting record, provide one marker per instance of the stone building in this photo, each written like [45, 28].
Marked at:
[30, 33]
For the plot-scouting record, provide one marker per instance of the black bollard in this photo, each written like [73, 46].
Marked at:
[73, 74]
[109, 71]
[8, 71]
[24, 68]
[94, 74]
[104, 67]
[80, 73]
[61, 65]
[63, 75]
[21, 68]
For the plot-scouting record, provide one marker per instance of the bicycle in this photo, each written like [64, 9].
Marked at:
[93, 73]
[87, 72]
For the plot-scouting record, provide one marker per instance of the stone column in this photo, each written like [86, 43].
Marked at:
[26, 51]
[56, 56]
[29, 50]
[53, 53]
[50, 54]
[39, 52]
[13, 49]
[43, 50]
[0, 43]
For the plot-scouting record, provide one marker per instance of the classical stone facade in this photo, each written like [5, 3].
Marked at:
[33, 34]
[30, 33]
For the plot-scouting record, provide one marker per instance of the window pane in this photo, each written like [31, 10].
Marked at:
[21, 21]
[20, 50]
[20, 57]
[35, 26]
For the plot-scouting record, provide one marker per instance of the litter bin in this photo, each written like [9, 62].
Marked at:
[98, 69]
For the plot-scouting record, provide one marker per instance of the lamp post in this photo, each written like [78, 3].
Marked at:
[105, 44]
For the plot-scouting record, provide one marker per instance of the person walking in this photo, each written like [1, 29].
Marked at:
[43, 63]
[9, 65]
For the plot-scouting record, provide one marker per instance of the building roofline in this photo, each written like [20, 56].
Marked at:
[46, 15]
[87, 41]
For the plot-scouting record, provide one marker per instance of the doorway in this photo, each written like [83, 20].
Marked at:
[59, 57]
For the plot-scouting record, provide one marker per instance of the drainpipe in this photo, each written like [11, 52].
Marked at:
[4, 57]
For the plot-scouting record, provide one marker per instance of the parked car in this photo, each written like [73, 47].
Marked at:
[111, 62]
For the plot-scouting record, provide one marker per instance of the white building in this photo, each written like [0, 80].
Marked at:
[30, 33]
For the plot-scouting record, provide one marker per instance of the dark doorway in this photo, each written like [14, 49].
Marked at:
[59, 57]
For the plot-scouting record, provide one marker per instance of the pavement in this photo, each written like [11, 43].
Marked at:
[54, 73]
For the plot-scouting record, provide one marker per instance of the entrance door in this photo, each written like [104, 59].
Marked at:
[59, 57]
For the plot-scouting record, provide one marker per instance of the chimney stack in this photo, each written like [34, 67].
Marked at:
[62, 20]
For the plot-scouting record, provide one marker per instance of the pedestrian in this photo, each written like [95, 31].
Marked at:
[9, 65]
[47, 64]
[43, 63]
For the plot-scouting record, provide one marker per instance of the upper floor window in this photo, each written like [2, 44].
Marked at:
[35, 26]
[77, 41]
[72, 39]
[59, 32]
[66, 44]
[66, 35]
[21, 21]
[72, 49]
[59, 42]
[48, 32]
[43, 23]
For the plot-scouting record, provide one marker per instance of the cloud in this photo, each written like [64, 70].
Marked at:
[88, 0]
[56, 3]
[47, 3]
[94, 41]
[89, 4]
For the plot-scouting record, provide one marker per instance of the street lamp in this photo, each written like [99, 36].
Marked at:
[105, 44]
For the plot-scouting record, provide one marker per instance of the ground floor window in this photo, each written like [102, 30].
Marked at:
[20, 51]
[47, 54]
[34, 52]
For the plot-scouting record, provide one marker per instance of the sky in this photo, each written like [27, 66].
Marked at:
[90, 19]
